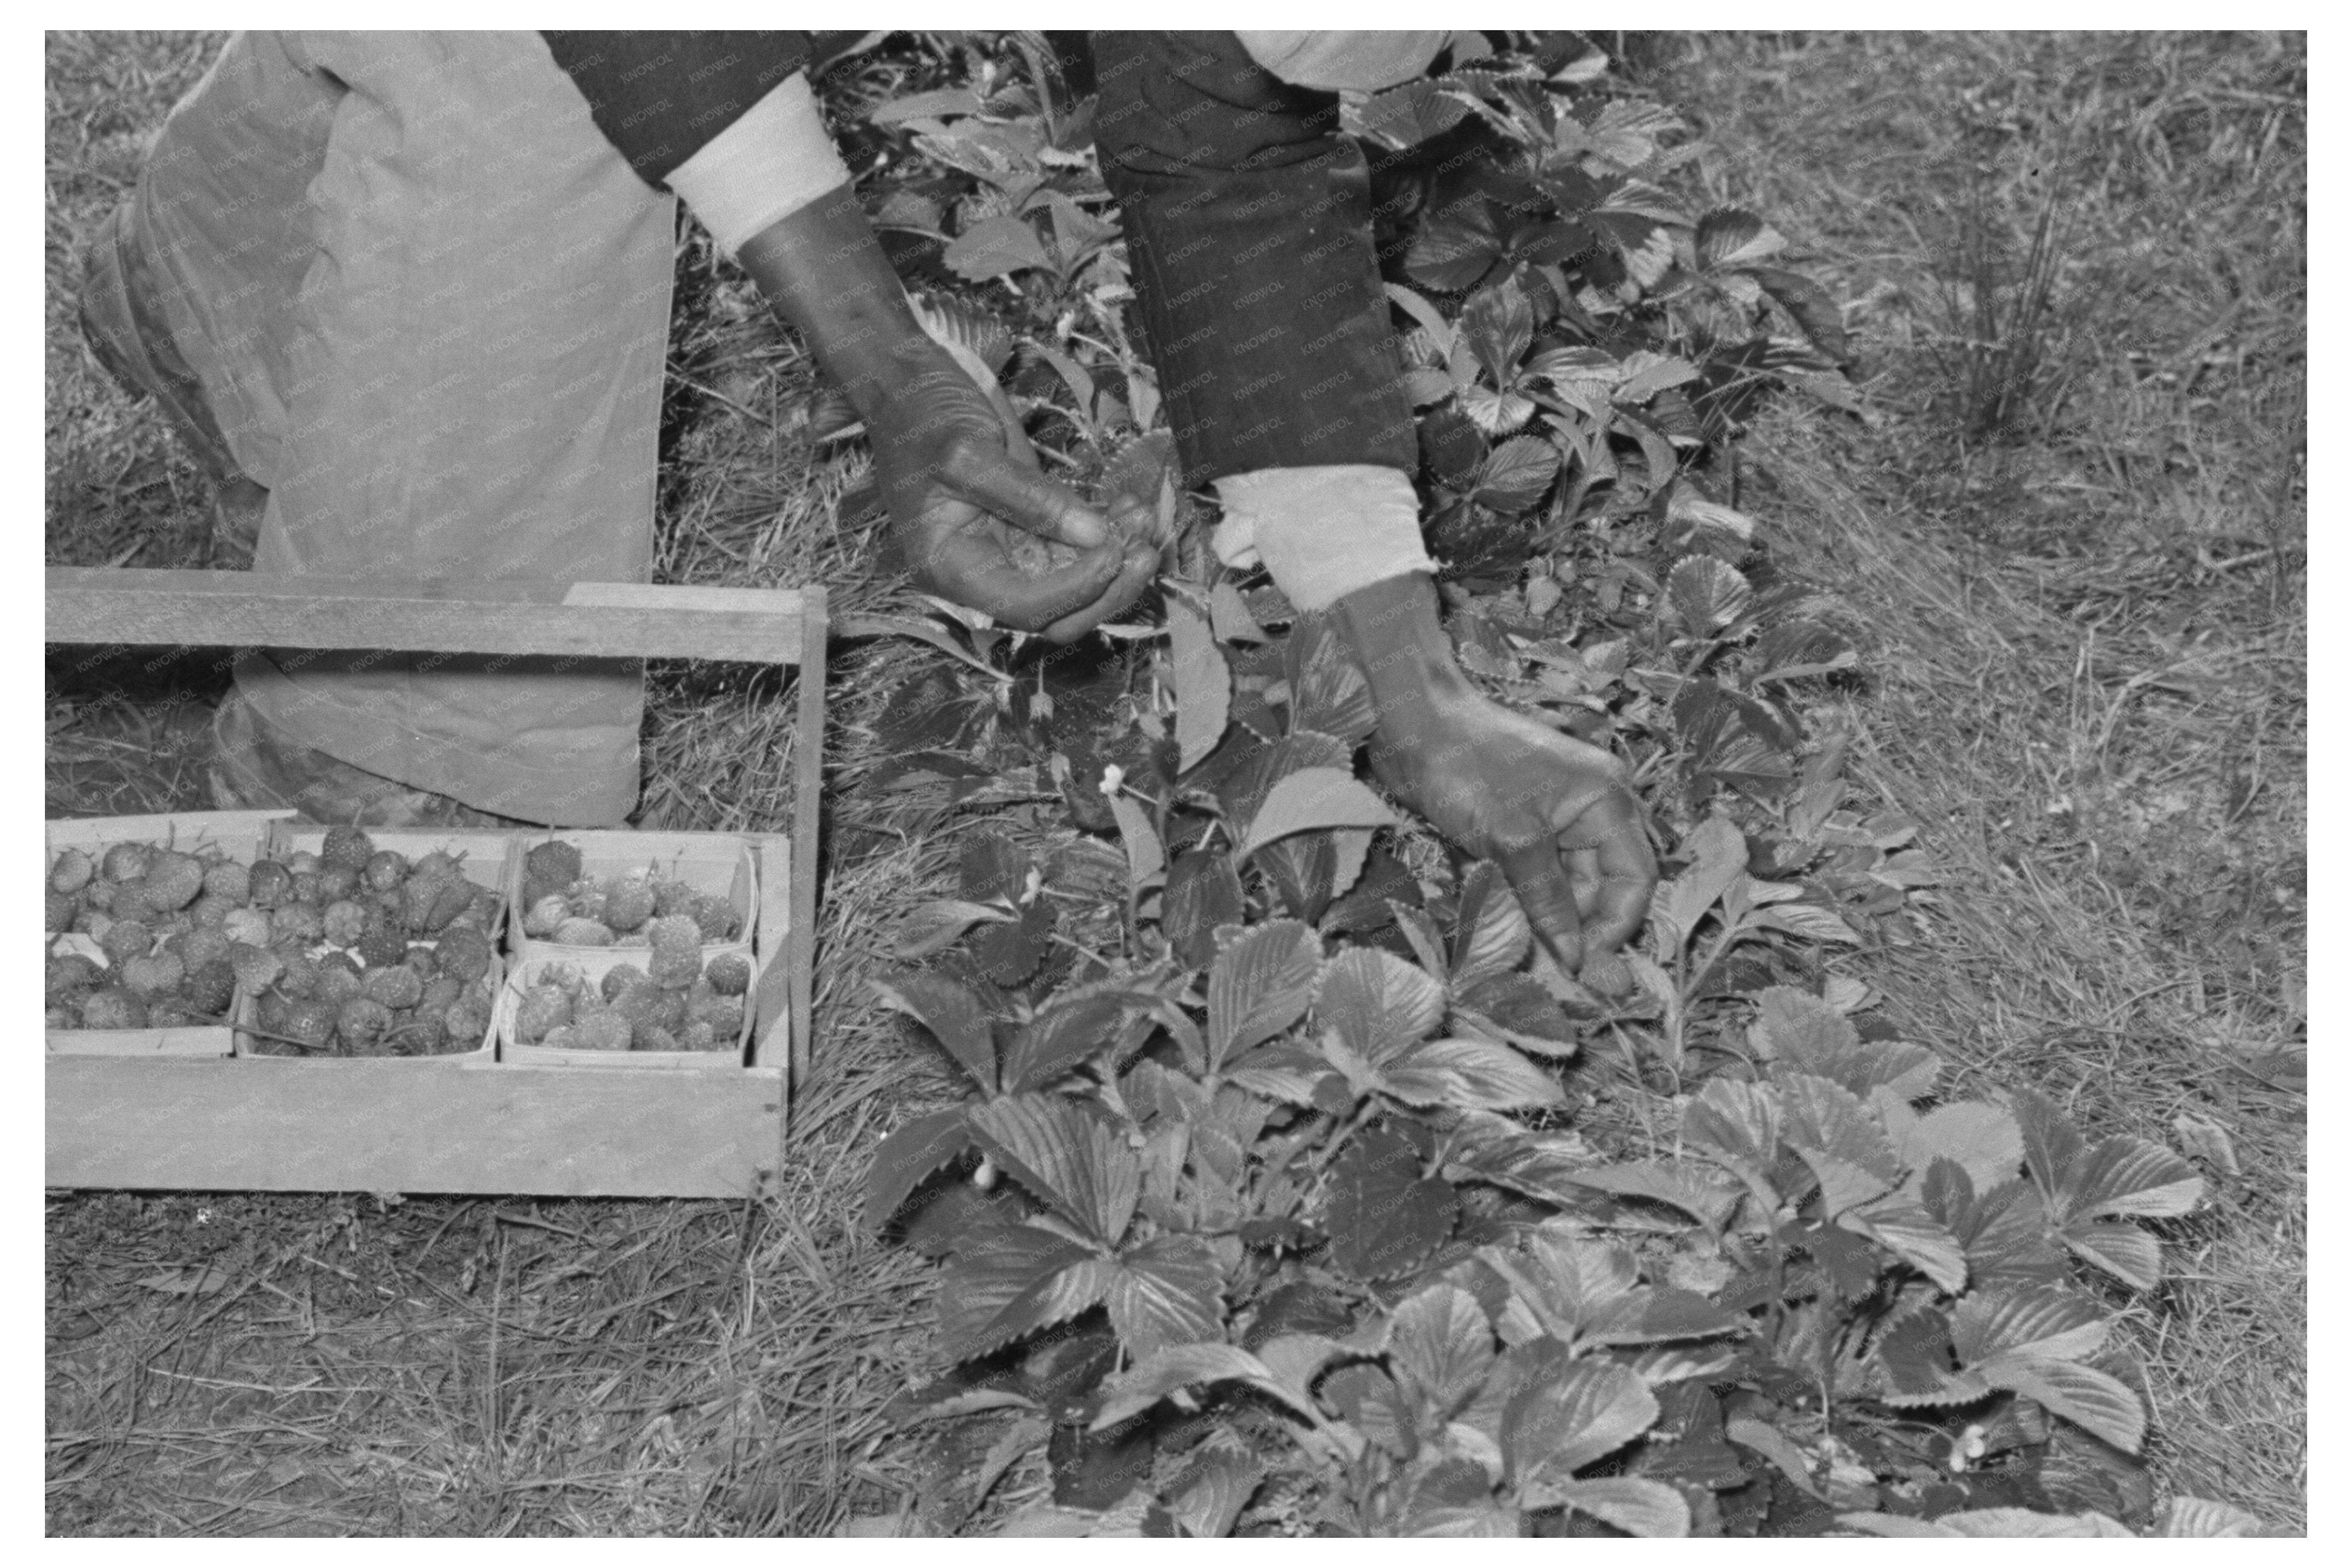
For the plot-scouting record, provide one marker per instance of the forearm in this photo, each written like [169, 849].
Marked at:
[823, 269]
[1391, 628]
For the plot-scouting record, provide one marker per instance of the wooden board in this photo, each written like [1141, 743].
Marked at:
[414, 1126]
[242, 609]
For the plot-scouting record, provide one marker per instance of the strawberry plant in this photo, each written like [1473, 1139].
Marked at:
[1280, 1199]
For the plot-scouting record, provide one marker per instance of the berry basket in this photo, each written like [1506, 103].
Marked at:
[593, 967]
[238, 836]
[714, 869]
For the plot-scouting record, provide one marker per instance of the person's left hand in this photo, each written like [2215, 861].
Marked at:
[971, 512]
[1552, 812]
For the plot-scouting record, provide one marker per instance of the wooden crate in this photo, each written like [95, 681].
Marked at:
[475, 1122]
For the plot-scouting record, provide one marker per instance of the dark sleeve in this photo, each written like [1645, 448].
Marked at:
[1249, 228]
[660, 97]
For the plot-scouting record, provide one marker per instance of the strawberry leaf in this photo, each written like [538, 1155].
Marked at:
[2083, 1395]
[1007, 1281]
[1164, 1372]
[1262, 982]
[1632, 1503]
[1470, 1072]
[1707, 594]
[1203, 683]
[954, 1017]
[1380, 1005]
[2131, 1175]
[1166, 1293]
[1809, 305]
[994, 246]
[1835, 1135]
[1065, 1032]
[1065, 1157]
[1733, 236]
[1203, 893]
[936, 925]
[908, 1156]
[1491, 935]
[1441, 1347]
[1314, 798]
[1385, 1218]
[1582, 1411]
[1739, 1125]
[1717, 853]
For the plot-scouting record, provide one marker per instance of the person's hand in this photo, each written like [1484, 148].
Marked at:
[972, 513]
[1553, 812]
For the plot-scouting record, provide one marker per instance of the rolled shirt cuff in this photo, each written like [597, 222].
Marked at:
[1333, 61]
[1321, 532]
[772, 162]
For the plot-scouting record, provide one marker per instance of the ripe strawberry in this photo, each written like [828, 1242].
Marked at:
[124, 863]
[386, 870]
[716, 917]
[380, 943]
[628, 904]
[228, 880]
[463, 954]
[542, 918]
[542, 1008]
[114, 1008]
[256, 969]
[310, 1023]
[677, 957]
[621, 977]
[337, 983]
[349, 847]
[398, 986]
[202, 946]
[548, 868]
[173, 881]
[344, 923]
[296, 921]
[71, 872]
[730, 974]
[604, 1029]
[579, 932]
[127, 939]
[58, 911]
[360, 1024]
[210, 986]
[150, 977]
[269, 885]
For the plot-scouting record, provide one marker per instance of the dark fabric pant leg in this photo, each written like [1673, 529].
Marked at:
[1249, 217]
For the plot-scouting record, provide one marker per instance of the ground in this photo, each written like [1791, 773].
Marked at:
[2085, 608]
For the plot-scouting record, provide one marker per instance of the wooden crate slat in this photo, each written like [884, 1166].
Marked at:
[239, 609]
[384, 1126]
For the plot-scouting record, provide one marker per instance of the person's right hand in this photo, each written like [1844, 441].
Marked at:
[969, 507]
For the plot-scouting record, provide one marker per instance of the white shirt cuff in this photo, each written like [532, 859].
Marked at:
[1334, 61]
[772, 162]
[1322, 533]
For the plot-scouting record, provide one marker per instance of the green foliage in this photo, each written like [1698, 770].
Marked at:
[1279, 1115]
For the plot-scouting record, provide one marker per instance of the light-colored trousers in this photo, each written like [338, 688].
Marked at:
[429, 303]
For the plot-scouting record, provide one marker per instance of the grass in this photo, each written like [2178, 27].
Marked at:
[2086, 624]
[2086, 612]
